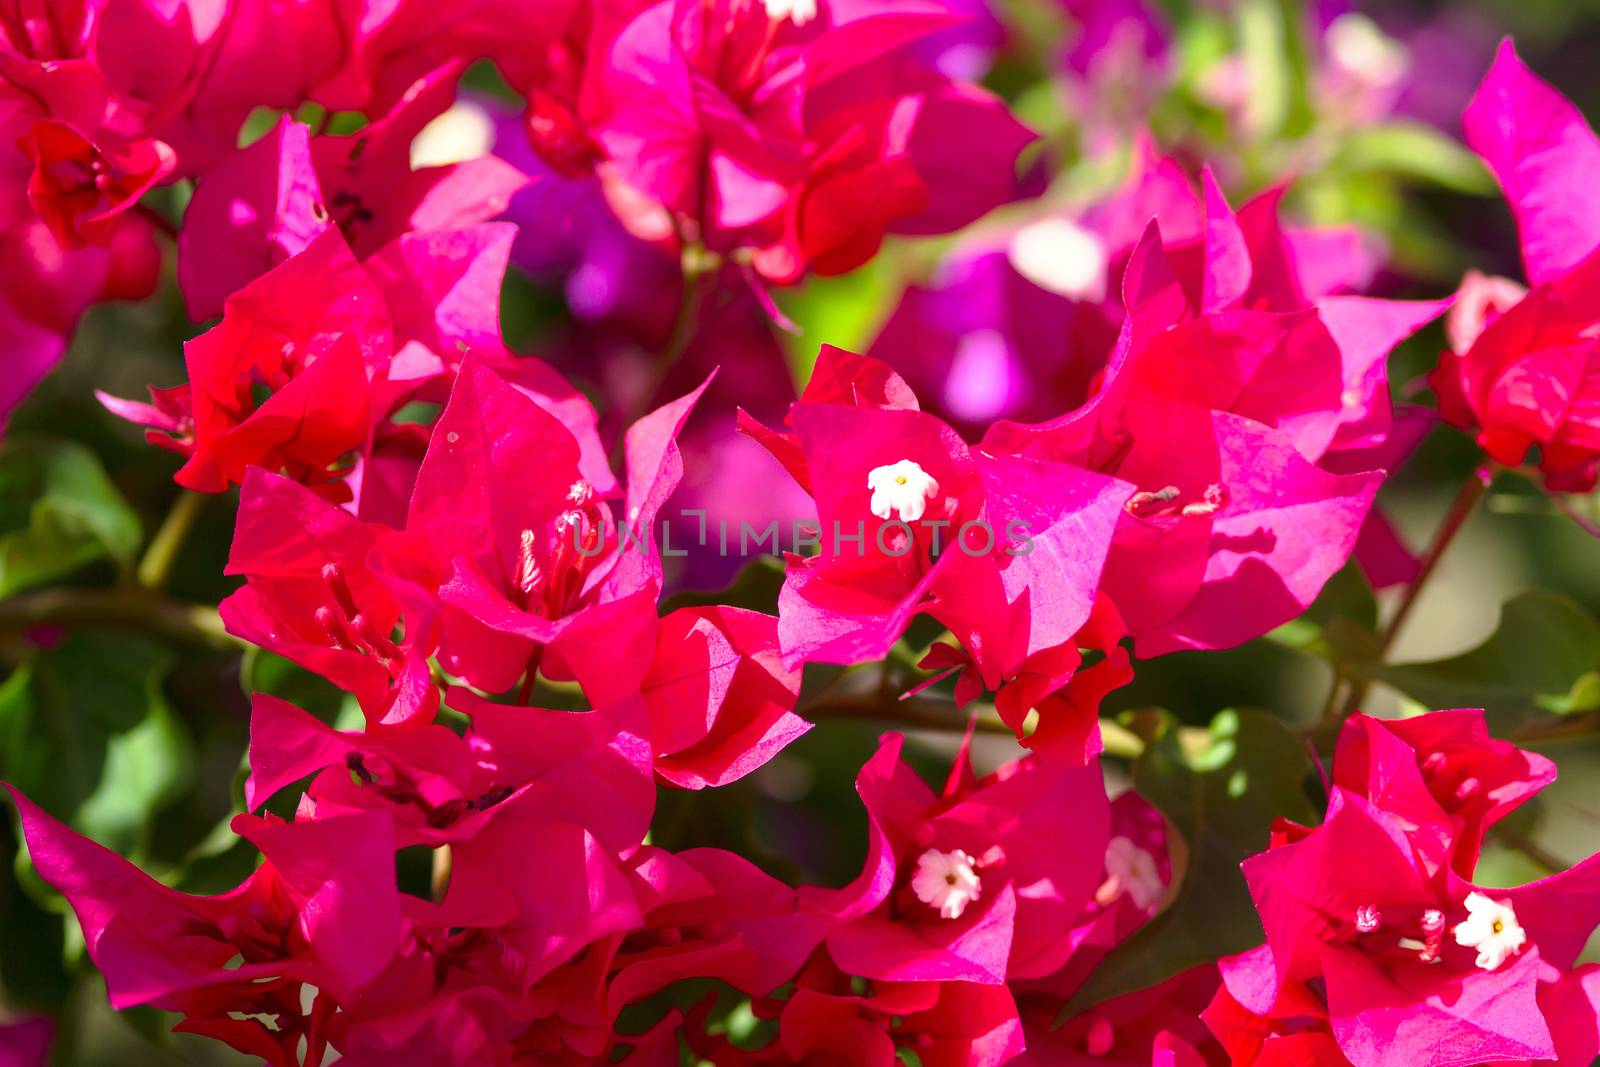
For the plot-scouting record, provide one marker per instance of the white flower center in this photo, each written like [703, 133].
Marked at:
[946, 881]
[1130, 871]
[1491, 927]
[903, 488]
[1063, 257]
[799, 12]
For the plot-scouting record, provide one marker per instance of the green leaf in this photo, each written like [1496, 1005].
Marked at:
[1342, 623]
[58, 512]
[146, 768]
[1266, 58]
[1537, 658]
[88, 735]
[1418, 151]
[1221, 790]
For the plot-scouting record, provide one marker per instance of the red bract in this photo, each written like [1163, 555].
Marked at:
[803, 135]
[1372, 937]
[322, 911]
[329, 592]
[268, 201]
[1441, 770]
[1525, 370]
[977, 885]
[285, 381]
[80, 189]
[1005, 551]
[721, 701]
[540, 574]
[1219, 419]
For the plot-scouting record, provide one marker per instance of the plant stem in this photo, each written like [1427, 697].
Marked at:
[935, 715]
[699, 270]
[155, 568]
[1455, 518]
[132, 609]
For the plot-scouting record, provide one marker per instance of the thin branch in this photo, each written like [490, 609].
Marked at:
[1461, 509]
[921, 714]
[130, 609]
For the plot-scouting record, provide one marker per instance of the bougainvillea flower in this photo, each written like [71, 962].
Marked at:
[1003, 550]
[1439, 769]
[977, 884]
[799, 132]
[829, 1019]
[322, 911]
[81, 189]
[711, 914]
[266, 202]
[285, 380]
[254, 210]
[435, 784]
[721, 701]
[1417, 964]
[1135, 881]
[1523, 370]
[1159, 1025]
[341, 597]
[541, 575]
[1233, 529]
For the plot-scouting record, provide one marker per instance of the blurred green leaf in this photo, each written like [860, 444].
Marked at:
[58, 512]
[1266, 59]
[146, 768]
[1222, 797]
[1537, 658]
[845, 311]
[270, 673]
[1418, 151]
[1340, 625]
[89, 737]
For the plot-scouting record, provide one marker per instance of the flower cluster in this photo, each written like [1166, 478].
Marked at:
[1156, 424]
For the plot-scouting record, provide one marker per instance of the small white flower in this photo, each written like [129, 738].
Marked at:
[1491, 927]
[946, 881]
[1063, 257]
[799, 12]
[902, 487]
[1132, 871]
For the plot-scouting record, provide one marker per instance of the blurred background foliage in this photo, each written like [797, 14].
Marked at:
[134, 728]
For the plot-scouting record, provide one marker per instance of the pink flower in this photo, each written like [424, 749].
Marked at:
[721, 701]
[540, 574]
[321, 911]
[1441, 769]
[329, 592]
[802, 134]
[80, 189]
[1004, 550]
[1416, 964]
[828, 1020]
[980, 884]
[1525, 370]
[1234, 527]
[1159, 1025]
[313, 335]
[266, 202]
